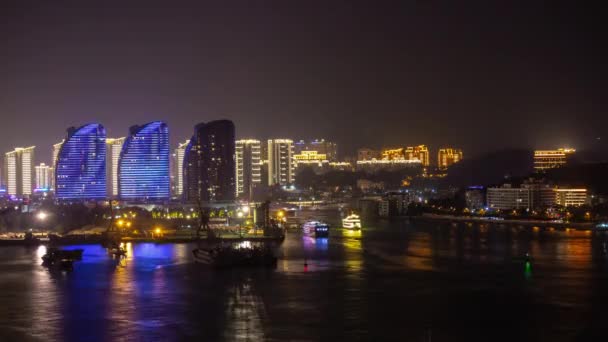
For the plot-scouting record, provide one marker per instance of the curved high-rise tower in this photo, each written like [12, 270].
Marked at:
[80, 170]
[143, 167]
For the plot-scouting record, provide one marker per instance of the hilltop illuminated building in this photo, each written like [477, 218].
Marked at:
[80, 172]
[372, 161]
[113, 150]
[364, 154]
[310, 157]
[381, 164]
[410, 154]
[394, 154]
[177, 169]
[43, 177]
[143, 167]
[281, 165]
[248, 166]
[447, 157]
[420, 152]
[321, 146]
[549, 159]
[209, 166]
[19, 171]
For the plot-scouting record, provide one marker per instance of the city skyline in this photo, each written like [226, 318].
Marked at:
[354, 76]
[303, 170]
[311, 144]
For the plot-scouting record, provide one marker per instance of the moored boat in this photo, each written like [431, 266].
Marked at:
[61, 258]
[28, 240]
[230, 257]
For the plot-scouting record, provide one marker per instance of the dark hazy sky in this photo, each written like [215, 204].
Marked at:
[478, 75]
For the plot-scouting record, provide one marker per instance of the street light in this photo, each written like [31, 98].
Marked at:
[42, 216]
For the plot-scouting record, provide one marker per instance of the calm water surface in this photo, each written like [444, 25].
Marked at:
[400, 281]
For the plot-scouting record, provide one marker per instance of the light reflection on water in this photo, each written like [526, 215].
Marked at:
[350, 285]
[245, 312]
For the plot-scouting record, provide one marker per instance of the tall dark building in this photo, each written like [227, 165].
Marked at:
[209, 165]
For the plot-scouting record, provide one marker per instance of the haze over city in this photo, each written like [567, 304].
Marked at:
[483, 76]
[303, 171]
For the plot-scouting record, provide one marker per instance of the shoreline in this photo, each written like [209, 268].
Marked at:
[81, 240]
[531, 223]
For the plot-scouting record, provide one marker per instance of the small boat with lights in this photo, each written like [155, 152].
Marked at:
[235, 256]
[602, 226]
[316, 229]
[61, 258]
[351, 221]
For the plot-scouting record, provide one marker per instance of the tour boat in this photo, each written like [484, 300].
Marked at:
[602, 226]
[316, 228]
[352, 221]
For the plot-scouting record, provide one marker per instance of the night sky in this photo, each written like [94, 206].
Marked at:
[479, 76]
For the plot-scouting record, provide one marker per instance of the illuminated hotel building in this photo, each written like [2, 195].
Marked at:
[177, 169]
[447, 157]
[43, 177]
[420, 152]
[19, 171]
[143, 167]
[248, 166]
[209, 167]
[113, 150]
[80, 172]
[549, 159]
[507, 198]
[56, 149]
[321, 146]
[281, 166]
[570, 197]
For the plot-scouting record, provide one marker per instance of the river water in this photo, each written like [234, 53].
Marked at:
[401, 281]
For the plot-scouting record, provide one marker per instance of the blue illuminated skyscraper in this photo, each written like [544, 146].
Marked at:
[81, 164]
[143, 168]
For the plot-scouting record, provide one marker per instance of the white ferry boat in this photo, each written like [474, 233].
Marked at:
[351, 221]
[316, 229]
